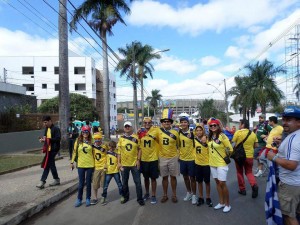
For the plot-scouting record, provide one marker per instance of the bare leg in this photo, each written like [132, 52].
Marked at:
[165, 183]
[173, 185]
[153, 187]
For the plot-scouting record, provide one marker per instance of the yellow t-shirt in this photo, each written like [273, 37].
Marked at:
[240, 135]
[168, 144]
[100, 156]
[220, 145]
[149, 145]
[112, 162]
[128, 149]
[186, 146]
[85, 155]
[275, 132]
[48, 135]
[201, 153]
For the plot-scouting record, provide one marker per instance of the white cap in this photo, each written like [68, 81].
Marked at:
[128, 123]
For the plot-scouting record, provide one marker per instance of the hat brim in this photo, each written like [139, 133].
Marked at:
[295, 115]
[167, 119]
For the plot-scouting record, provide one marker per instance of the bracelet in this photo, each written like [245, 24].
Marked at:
[274, 158]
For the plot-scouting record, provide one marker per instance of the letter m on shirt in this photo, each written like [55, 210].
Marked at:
[147, 143]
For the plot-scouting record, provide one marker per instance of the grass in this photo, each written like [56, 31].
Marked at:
[11, 162]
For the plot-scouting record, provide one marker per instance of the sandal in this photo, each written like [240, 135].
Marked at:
[164, 199]
[174, 199]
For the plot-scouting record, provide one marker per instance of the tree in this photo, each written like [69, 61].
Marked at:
[145, 67]
[264, 90]
[153, 100]
[296, 90]
[105, 14]
[207, 109]
[80, 106]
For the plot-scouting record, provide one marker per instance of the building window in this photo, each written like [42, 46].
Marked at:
[114, 84]
[29, 87]
[79, 70]
[56, 70]
[115, 118]
[114, 107]
[44, 68]
[44, 86]
[56, 87]
[27, 70]
[114, 95]
[79, 87]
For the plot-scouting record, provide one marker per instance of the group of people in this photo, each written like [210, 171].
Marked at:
[197, 154]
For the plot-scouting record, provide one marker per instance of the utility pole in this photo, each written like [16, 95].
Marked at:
[64, 98]
[4, 75]
[226, 104]
[135, 106]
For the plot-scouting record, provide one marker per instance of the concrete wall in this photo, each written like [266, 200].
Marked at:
[8, 100]
[20, 141]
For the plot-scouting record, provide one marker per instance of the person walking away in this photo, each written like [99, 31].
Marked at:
[129, 156]
[112, 172]
[249, 145]
[262, 131]
[288, 161]
[99, 151]
[84, 157]
[219, 147]
[168, 157]
[187, 159]
[202, 168]
[51, 140]
[149, 157]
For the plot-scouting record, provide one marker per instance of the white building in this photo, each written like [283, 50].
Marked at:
[40, 76]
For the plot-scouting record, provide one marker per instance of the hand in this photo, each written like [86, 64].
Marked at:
[72, 166]
[263, 136]
[138, 163]
[277, 140]
[270, 155]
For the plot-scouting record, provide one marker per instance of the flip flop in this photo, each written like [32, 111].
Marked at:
[174, 199]
[164, 199]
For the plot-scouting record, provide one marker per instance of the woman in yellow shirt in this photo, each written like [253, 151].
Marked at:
[84, 158]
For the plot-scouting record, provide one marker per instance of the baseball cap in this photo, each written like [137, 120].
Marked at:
[262, 116]
[147, 118]
[128, 123]
[291, 111]
[184, 118]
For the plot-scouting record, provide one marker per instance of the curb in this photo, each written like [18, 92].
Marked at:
[39, 207]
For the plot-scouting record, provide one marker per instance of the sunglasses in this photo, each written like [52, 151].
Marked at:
[166, 121]
[213, 125]
[85, 132]
[147, 122]
[126, 126]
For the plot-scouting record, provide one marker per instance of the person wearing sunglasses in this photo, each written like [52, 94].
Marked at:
[149, 158]
[168, 139]
[219, 146]
[129, 156]
[84, 157]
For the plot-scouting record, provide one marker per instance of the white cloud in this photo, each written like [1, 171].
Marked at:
[233, 52]
[215, 15]
[210, 61]
[173, 64]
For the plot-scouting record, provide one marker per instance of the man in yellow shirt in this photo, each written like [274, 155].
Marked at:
[129, 156]
[168, 157]
[149, 160]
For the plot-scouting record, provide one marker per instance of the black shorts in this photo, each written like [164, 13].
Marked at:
[202, 173]
[149, 169]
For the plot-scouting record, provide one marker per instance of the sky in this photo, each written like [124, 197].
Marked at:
[210, 41]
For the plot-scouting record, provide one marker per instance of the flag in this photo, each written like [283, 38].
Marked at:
[272, 206]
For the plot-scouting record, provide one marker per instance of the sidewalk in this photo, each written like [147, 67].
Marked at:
[20, 198]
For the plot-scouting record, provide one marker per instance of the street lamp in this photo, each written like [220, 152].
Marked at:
[225, 99]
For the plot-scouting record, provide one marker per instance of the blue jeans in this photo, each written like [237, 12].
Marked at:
[50, 166]
[108, 178]
[137, 180]
[85, 176]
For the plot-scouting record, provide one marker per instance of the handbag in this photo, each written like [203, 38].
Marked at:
[226, 158]
[239, 154]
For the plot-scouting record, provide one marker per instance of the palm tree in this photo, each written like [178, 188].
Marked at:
[264, 90]
[207, 109]
[127, 67]
[153, 100]
[145, 67]
[105, 14]
[296, 90]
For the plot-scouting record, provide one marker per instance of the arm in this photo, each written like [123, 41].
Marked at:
[285, 163]
[56, 135]
[139, 155]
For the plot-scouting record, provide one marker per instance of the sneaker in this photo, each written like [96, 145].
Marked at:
[103, 201]
[55, 182]
[146, 197]
[258, 174]
[122, 200]
[194, 200]
[254, 191]
[188, 197]
[41, 185]
[94, 201]
[87, 202]
[209, 202]
[141, 202]
[219, 206]
[227, 209]
[78, 202]
[242, 192]
[153, 200]
[200, 201]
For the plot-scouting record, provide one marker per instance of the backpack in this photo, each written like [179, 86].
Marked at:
[239, 154]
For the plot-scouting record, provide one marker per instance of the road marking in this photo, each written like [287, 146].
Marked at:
[138, 217]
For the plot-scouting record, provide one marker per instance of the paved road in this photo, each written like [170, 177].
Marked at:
[245, 210]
